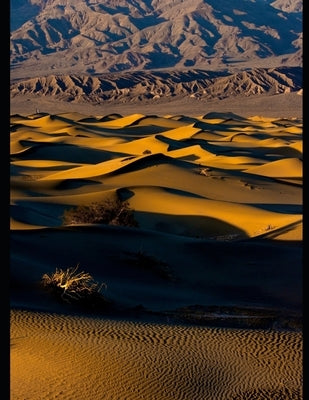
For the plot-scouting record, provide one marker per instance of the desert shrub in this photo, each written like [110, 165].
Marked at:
[111, 212]
[73, 286]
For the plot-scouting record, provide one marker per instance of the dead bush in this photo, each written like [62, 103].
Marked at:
[73, 286]
[111, 212]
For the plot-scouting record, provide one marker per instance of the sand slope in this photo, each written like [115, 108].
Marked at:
[185, 169]
[218, 201]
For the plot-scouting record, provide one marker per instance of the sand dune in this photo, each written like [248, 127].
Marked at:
[286, 168]
[218, 201]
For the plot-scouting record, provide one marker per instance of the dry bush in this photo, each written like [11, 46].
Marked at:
[111, 212]
[73, 286]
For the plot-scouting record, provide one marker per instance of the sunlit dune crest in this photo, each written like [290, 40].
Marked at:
[259, 118]
[247, 218]
[147, 145]
[195, 152]
[156, 200]
[165, 122]
[204, 290]
[181, 133]
[286, 168]
[119, 122]
[182, 142]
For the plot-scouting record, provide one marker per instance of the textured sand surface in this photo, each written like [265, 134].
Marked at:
[224, 163]
[218, 201]
[61, 357]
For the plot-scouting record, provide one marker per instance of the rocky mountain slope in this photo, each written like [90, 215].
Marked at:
[143, 85]
[94, 36]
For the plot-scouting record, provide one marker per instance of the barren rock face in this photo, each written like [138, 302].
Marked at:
[136, 86]
[83, 37]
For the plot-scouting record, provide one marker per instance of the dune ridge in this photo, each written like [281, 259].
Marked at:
[183, 144]
[204, 295]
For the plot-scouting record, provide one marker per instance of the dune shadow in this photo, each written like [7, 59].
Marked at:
[280, 208]
[223, 148]
[190, 225]
[69, 184]
[63, 152]
[37, 213]
[225, 116]
[151, 160]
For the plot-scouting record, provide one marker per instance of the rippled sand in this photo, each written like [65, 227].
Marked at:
[218, 200]
[61, 357]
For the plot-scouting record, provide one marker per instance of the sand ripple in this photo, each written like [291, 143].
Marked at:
[215, 197]
[73, 357]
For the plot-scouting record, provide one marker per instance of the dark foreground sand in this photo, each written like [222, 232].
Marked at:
[204, 296]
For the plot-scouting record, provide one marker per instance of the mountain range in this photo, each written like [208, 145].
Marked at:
[91, 50]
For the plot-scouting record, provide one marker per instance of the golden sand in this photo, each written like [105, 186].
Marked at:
[84, 358]
[185, 161]
[218, 201]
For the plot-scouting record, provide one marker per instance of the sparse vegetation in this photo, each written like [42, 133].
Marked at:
[73, 286]
[111, 212]
[205, 171]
